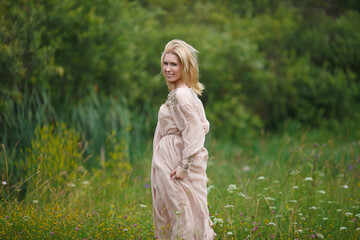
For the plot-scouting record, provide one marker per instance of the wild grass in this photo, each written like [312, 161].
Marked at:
[302, 184]
[289, 187]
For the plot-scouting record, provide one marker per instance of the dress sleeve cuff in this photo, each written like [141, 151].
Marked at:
[185, 164]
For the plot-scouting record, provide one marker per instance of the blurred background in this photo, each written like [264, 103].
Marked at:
[80, 80]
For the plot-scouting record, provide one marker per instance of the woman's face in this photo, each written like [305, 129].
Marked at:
[172, 68]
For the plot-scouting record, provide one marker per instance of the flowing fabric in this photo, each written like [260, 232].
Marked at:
[180, 205]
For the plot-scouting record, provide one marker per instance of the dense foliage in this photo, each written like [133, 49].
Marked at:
[94, 65]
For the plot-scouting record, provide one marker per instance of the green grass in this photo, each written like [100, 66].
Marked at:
[287, 187]
[295, 185]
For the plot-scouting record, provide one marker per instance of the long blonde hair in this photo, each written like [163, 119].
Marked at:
[189, 64]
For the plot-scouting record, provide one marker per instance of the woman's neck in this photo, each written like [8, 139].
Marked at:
[180, 84]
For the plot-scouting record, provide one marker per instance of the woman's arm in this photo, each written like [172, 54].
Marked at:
[189, 123]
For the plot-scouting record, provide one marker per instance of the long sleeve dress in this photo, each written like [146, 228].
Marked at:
[180, 205]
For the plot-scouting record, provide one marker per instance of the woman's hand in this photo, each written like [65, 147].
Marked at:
[178, 173]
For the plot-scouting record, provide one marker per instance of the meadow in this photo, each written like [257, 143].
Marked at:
[298, 184]
[79, 95]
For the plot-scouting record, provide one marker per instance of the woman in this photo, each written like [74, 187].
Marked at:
[178, 176]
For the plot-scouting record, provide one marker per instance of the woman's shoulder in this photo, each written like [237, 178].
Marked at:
[185, 95]
[182, 96]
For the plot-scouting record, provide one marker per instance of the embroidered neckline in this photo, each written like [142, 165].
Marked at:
[171, 99]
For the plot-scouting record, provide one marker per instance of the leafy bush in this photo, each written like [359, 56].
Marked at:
[55, 157]
[27, 64]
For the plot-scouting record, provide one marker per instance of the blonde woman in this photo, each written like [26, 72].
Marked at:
[178, 174]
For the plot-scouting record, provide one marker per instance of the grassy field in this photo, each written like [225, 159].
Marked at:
[295, 185]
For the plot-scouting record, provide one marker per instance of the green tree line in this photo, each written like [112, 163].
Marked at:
[95, 65]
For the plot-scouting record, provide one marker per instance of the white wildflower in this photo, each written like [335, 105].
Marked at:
[177, 212]
[299, 231]
[270, 198]
[246, 168]
[308, 179]
[85, 182]
[330, 202]
[276, 181]
[294, 172]
[319, 235]
[321, 192]
[343, 228]
[278, 216]
[35, 201]
[338, 210]
[293, 201]
[355, 207]
[348, 214]
[261, 178]
[303, 218]
[272, 207]
[295, 187]
[218, 220]
[229, 233]
[143, 206]
[229, 206]
[71, 185]
[358, 229]
[300, 214]
[271, 223]
[313, 208]
[231, 188]
[294, 223]
[4, 183]
[357, 215]
[243, 195]
[125, 230]
[325, 218]
[210, 187]
[345, 186]
[26, 218]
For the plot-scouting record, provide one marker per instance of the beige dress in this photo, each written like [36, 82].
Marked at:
[180, 206]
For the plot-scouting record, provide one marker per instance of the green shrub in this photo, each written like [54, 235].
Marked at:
[54, 158]
[27, 64]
